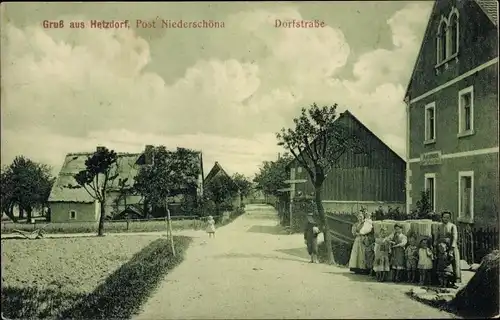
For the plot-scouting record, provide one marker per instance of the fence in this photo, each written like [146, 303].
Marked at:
[340, 227]
[131, 225]
[475, 243]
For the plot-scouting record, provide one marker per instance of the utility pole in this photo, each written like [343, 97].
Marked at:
[169, 229]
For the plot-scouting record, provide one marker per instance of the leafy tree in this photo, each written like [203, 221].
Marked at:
[244, 185]
[221, 189]
[100, 171]
[317, 143]
[27, 184]
[272, 174]
[171, 173]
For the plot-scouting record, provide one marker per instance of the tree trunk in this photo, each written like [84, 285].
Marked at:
[326, 230]
[9, 212]
[100, 231]
[29, 213]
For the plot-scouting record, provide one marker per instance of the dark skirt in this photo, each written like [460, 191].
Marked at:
[312, 246]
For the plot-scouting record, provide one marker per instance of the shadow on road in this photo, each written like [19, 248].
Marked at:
[297, 252]
[255, 256]
[366, 278]
[274, 230]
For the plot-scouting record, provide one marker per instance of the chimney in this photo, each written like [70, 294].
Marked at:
[100, 149]
[148, 154]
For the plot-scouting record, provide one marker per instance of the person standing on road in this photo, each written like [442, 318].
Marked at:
[311, 233]
[448, 233]
[211, 227]
[360, 230]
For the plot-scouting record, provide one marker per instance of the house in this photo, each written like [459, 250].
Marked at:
[216, 171]
[452, 113]
[76, 205]
[371, 180]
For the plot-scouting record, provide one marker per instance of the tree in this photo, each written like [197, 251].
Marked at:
[100, 171]
[27, 184]
[221, 189]
[317, 143]
[171, 173]
[272, 174]
[244, 185]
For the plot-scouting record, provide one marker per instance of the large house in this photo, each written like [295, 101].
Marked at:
[372, 179]
[452, 112]
[76, 205]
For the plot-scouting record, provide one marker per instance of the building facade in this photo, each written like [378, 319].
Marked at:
[452, 113]
[370, 180]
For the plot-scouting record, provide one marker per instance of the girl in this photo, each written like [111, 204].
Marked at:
[211, 227]
[411, 254]
[311, 233]
[398, 241]
[381, 264]
[425, 258]
[444, 265]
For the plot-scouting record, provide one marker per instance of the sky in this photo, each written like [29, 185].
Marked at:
[224, 91]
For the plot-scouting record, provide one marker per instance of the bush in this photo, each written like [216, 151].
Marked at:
[123, 293]
[341, 252]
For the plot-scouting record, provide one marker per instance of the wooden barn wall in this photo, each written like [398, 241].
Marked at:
[378, 175]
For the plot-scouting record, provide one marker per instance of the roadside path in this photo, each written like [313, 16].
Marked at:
[252, 270]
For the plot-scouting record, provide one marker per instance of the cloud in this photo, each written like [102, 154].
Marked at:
[67, 90]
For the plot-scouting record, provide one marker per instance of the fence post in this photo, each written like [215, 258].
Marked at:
[128, 221]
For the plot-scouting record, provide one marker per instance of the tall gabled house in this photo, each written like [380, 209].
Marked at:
[452, 112]
[217, 170]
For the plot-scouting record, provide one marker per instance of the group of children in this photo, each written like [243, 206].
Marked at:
[401, 253]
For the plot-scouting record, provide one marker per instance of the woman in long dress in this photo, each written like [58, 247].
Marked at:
[357, 261]
[447, 232]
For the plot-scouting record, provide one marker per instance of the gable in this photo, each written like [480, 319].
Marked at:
[477, 44]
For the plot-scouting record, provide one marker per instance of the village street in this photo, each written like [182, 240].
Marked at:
[250, 270]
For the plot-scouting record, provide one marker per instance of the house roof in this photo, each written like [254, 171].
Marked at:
[347, 113]
[489, 7]
[127, 167]
[216, 169]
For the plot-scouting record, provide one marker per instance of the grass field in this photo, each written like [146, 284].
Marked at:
[48, 278]
[109, 226]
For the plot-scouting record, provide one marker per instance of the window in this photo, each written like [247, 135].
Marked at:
[430, 123]
[299, 169]
[441, 42]
[453, 33]
[72, 215]
[466, 111]
[430, 187]
[466, 196]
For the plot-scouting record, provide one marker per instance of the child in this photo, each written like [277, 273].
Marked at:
[425, 258]
[311, 233]
[443, 266]
[381, 264]
[398, 241]
[411, 254]
[211, 227]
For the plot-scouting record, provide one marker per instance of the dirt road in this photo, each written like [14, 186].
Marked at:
[251, 270]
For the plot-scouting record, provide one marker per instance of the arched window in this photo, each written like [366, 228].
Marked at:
[441, 42]
[453, 34]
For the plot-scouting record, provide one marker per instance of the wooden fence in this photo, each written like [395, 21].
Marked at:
[340, 228]
[475, 243]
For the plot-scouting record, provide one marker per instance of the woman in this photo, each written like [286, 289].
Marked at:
[398, 241]
[357, 261]
[447, 232]
[311, 233]
[369, 243]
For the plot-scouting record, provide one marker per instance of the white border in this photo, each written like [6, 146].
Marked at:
[433, 176]
[431, 105]
[76, 215]
[472, 153]
[462, 174]
[461, 131]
